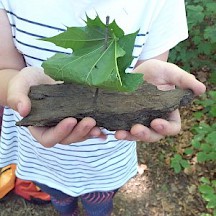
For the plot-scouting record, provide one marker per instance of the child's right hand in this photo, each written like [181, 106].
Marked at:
[67, 131]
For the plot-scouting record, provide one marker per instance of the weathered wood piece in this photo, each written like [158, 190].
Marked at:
[112, 110]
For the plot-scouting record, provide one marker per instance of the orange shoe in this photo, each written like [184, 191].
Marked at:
[7, 179]
[30, 192]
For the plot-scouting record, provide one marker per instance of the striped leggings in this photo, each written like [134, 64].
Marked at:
[94, 204]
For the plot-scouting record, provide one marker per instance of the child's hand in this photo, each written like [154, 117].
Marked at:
[67, 131]
[165, 76]
[19, 86]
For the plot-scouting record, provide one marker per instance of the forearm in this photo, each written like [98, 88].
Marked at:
[11, 61]
[162, 57]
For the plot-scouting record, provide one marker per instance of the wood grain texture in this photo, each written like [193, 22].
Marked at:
[111, 110]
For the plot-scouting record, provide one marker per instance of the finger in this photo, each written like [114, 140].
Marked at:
[124, 135]
[19, 86]
[17, 97]
[177, 76]
[139, 133]
[48, 137]
[81, 131]
[35, 76]
[96, 132]
[162, 73]
[145, 134]
[168, 128]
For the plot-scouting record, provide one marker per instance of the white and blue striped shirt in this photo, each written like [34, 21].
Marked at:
[95, 164]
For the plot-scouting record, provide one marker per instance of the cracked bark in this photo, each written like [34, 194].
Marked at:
[113, 110]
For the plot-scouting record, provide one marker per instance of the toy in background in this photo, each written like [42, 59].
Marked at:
[26, 189]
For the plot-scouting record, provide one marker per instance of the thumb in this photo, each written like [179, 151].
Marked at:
[163, 73]
[23, 106]
[17, 97]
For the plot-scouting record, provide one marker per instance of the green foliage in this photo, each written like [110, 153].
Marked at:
[200, 48]
[101, 54]
[207, 189]
[203, 145]
[204, 142]
[206, 214]
[208, 101]
[178, 163]
[199, 51]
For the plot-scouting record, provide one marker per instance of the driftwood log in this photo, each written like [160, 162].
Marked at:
[111, 110]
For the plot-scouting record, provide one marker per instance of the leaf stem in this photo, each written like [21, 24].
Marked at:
[105, 47]
[106, 33]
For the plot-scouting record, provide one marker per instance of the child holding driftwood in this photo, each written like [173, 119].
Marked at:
[78, 159]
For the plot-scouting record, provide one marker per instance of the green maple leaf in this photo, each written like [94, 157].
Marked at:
[92, 63]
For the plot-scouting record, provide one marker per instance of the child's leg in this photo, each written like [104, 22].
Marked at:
[66, 205]
[98, 203]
